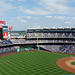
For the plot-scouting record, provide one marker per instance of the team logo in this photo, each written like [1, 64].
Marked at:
[5, 35]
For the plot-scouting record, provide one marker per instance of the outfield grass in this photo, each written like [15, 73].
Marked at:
[32, 63]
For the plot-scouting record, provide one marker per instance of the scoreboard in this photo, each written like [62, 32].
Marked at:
[1, 32]
[5, 32]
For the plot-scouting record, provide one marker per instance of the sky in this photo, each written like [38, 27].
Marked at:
[24, 14]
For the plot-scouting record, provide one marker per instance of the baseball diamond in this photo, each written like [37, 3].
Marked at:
[32, 63]
[65, 63]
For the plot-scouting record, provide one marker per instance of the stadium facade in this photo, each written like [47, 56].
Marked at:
[60, 40]
[51, 33]
[57, 39]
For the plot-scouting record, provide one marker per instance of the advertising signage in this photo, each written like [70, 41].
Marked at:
[5, 35]
[5, 28]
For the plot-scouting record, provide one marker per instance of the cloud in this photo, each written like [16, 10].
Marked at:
[21, 0]
[34, 11]
[24, 17]
[22, 20]
[59, 17]
[49, 16]
[36, 27]
[11, 0]
[28, 17]
[67, 22]
[16, 0]
[4, 7]
[63, 7]
[55, 6]
[74, 18]
[48, 7]
[56, 17]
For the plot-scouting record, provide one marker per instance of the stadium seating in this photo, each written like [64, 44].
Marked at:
[59, 48]
[51, 35]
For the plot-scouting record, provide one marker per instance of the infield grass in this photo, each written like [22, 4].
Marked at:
[32, 63]
[73, 63]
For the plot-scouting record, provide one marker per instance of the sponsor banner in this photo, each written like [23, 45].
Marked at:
[5, 35]
[5, 28]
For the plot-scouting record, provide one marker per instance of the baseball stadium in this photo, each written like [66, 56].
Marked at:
[45, 51]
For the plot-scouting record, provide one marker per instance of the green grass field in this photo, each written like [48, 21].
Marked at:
[32, 63]
[73, 63]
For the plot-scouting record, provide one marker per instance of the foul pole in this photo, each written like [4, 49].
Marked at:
[37, 42]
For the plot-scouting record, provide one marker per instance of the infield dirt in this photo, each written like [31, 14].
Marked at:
[65, 64]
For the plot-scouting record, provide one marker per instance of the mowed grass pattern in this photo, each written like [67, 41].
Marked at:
[32, 63]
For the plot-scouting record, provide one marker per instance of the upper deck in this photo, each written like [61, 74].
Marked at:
[51, 33]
